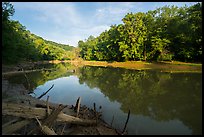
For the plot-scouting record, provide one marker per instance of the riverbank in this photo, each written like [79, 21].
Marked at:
[165, 66]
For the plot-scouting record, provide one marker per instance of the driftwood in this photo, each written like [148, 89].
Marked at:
[45, 129]
[63, 129]
[48, 107]
[50, 119]
[25, 71]
[31, 112]
[25, 77]
[95, 113]
[77, 106]
[44, 106]
[11, 127]
[126, 122]
[112, 120]
[45, 92]
[47, 123]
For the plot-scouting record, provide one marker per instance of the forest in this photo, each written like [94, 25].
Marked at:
[165, 34]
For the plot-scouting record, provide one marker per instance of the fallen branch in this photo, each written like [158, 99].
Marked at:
[10, 122]
[95, 113]
[45, 92]
[48, 108]
[50, 119]
[112, 120]
[63, 129]
[77, 107]
[126, 122]
[25, 71]
[46, 130]
[44, 106]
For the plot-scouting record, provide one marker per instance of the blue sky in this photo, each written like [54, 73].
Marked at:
[69, 22]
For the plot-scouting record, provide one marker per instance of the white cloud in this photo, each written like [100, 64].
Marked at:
[113, 12]
[68, 23]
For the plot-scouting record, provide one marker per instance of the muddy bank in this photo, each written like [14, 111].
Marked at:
[16, 95]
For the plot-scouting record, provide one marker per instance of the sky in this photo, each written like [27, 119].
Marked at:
[69, 22]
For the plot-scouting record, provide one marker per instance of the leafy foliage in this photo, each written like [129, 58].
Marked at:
[163, 34]
[20, 44]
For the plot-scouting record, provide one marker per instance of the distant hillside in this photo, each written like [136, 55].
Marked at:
[19, 44]
[65, 47]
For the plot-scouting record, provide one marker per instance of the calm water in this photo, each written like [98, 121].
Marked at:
[160, 103]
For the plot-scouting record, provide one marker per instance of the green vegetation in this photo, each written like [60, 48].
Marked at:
[164, 34]
[20, 44]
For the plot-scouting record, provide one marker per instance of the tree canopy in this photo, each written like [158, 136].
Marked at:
[20, 44]
[167, 33]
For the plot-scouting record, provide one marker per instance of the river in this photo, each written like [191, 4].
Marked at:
[159, 102]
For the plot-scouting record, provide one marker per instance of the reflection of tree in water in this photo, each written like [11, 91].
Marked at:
[51, 71]
[161, 96]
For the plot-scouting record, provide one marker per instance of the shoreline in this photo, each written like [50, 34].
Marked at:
[15, 95]
[163, 66]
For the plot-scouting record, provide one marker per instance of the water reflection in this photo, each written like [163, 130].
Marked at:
[160, 103]
[37, 78]
[160, 96]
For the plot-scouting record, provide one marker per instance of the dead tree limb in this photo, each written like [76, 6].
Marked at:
[77, 106]
[10, 128]
[46, 130]
[126, 122]
[53, 116]
[48, 108]
[44, 106]
[95, 113]
[27, 80]
[112, 120]
[45, 92]
[63, 129]
[10, 122]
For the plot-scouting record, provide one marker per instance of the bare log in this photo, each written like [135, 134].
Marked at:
[10, 128]
[31, 112]
[45, 92]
